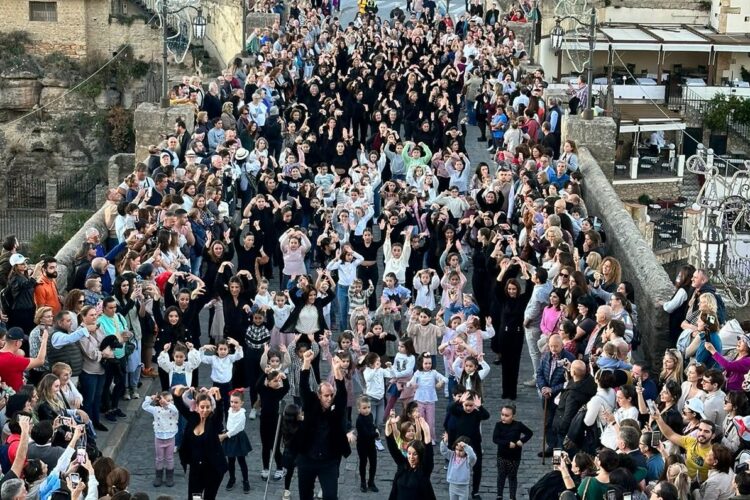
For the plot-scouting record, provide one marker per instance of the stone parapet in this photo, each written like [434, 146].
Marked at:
[639, 265]
[119, 166]
[66, 255]
[599, 135]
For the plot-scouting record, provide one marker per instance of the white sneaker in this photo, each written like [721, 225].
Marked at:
[264, 474]
[252, 416]
[287, 495]
[126, 397]
[135, 395]
[279, 474]
[379, 445]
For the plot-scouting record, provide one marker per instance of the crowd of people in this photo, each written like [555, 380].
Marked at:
[326, 218]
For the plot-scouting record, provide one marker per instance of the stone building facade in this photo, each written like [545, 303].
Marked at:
[78, 28]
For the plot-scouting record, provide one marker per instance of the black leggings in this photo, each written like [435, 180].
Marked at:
[267, 437]
[289, 464]
[507, 469]
[243, 467]
[251, 364]
[204, 479]
[482, 124]
[367, 453]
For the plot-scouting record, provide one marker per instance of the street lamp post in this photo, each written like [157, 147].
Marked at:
[164, 79]
[199, 31]
[557, 36]
[588, 113]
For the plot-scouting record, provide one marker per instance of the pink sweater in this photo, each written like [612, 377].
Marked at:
[294, 260]
[550, 320]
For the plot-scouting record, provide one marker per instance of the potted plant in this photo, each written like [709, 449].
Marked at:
[715, 115]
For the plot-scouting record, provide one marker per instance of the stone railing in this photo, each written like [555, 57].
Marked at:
[639, 264]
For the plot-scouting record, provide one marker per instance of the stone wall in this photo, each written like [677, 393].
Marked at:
[599, 135]
[151, 121]
[106, 35]
[260, 20]
[656, 190]
[120, 165]
[639, 265]
[523, 33]
[224, 33]
[82, 29]
[66, 255]
[67, 35]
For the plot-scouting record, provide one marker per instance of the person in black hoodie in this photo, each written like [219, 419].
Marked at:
[579, 389]
[468, 414]
[321, 441]
[509, 436]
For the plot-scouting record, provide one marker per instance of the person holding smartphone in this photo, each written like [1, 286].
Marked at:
[697, 448]
[596, 487]
[649, 444]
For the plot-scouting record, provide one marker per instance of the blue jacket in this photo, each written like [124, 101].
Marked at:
[551, 374]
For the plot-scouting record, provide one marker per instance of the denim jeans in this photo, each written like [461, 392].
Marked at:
[342, 297]
[195, 264]
[92, 387]
[471, 115]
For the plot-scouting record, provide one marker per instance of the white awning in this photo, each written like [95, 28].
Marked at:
[732, 48]
[687, 47]
[651, 127]
[655, 38]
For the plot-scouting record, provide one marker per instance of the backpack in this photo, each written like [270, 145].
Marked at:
[548, 487]
[637, 338]
[582, 436]
[6, 299]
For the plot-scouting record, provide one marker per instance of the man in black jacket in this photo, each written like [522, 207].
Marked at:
[579, 389]
[321, 440]
[468, 414]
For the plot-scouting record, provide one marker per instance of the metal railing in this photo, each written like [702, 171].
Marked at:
[76, 193]
[24, 223]
[26, 191]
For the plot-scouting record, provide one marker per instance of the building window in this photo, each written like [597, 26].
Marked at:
[43, 11]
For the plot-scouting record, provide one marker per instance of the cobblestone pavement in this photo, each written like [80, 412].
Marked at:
[137, 453]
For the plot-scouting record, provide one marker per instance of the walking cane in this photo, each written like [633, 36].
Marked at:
[273, 450]
[544, 432]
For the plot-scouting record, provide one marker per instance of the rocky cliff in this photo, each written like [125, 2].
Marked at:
[53, 127]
